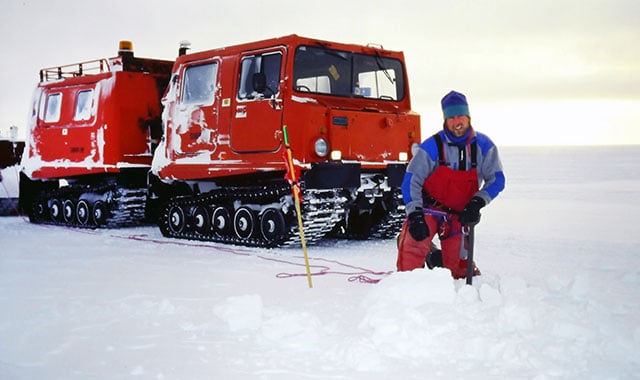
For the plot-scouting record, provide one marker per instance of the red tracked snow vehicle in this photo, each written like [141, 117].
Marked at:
[219, 172]
[89, 145]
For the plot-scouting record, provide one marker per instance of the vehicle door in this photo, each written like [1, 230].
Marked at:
[258, 107]
[195, 119]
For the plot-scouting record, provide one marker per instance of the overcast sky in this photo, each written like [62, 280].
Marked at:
[534, 71]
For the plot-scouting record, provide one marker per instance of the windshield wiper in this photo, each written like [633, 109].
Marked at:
[383, 68]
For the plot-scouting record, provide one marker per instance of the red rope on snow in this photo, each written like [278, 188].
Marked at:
[361, 275]
[358, 274]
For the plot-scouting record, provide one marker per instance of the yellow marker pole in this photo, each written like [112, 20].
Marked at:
[296, 197]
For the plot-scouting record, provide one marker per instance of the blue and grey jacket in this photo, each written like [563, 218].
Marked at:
[425, 161]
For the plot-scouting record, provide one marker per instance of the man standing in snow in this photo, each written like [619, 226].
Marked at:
[442, 190]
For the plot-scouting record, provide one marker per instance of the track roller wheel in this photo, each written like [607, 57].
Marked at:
[221, 221]
[201, 221]
[272, 225]
[99, 213]
[69, 211]
[55, 210]
[82, 212]
[177, 221]
[39, 210]
[244, 222]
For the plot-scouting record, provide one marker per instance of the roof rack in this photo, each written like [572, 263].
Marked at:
[95, 66]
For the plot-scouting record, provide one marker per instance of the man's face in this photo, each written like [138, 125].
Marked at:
[458, 125]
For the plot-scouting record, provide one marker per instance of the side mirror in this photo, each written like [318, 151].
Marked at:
[259, 82]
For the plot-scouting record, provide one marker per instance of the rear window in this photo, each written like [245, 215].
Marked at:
[50, 108]
[84, 105]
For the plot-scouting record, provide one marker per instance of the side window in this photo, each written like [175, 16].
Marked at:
[199, 84]
[52, 108]
[41, 106]
[84, 105]
[260, 76]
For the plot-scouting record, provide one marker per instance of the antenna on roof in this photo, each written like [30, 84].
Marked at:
[184, 46]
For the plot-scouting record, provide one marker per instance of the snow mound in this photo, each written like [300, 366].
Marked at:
[240, 313]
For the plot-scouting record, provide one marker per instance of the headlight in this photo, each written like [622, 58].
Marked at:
[321, 147]
[403, 157]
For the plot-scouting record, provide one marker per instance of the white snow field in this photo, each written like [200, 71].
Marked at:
[559, 295]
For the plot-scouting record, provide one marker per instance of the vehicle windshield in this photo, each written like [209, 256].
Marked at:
[341, 73]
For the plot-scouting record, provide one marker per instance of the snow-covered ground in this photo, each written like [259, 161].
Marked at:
[559, 297]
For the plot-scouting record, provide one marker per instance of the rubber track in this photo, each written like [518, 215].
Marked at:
[391, 224]
[321, 211]
[125, 207]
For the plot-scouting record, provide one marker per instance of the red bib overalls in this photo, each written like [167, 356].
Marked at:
[451, 190]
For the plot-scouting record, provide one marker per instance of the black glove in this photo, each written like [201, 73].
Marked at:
[418, 228]
[471, 214]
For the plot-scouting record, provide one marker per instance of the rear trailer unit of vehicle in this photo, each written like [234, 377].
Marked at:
[220, 173]
[91, 139]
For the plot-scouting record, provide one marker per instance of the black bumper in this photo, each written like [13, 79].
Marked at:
[336, 175]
